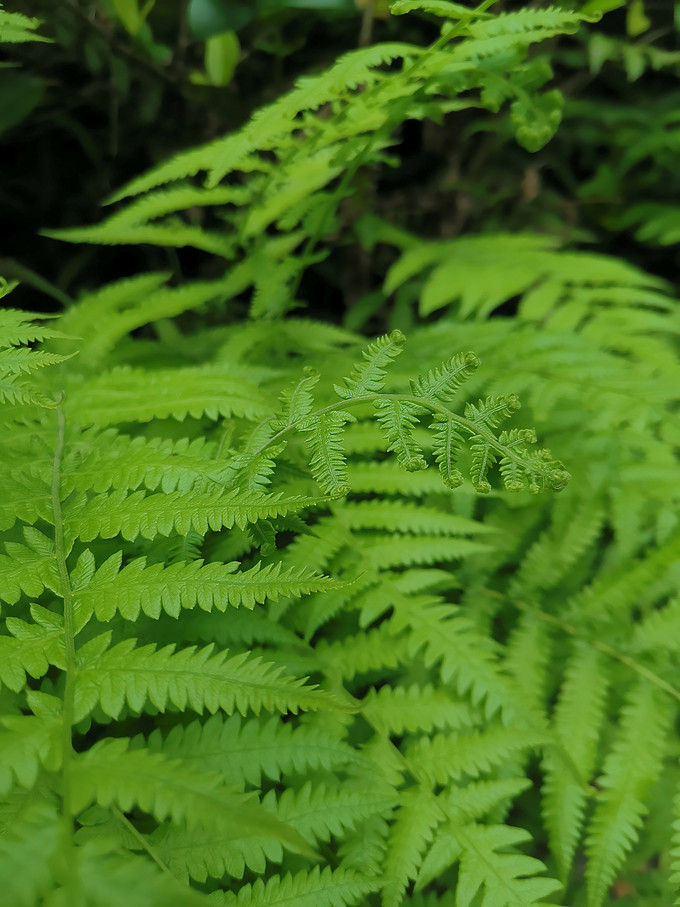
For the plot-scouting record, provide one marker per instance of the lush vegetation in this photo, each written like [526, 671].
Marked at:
[295, 608]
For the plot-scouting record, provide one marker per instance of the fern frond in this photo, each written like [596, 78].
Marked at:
[441, 384]
[188, 678]
[134, 395]
[318, 812]
[325, 887]
[328, 465]
[403, 550]
[247, 751]
[577, 723]
[395, 710]
[135, 881]
[631, 767]
[448, 757]
[297, 401]
[16, 28]
[358, 654]
[203, 853]
[27, 743]
[369, 376]
[103, 317]
[397, 419]
[464, 655]
[437, 7]
[162, 514]
[388, 478]
[30, 650]
[100, 460]
[403, 517]
[414, 827]
[137, 588]
[110, 772]
[25, 570]
[506, 878]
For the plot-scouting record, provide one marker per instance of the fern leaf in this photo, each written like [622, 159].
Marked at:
[397, 419]
[16, 28]
[446, 757]
[26, 571]
[318, 812]
[135, 395]
[405, 550]
[101, 460]
[203, 853]
[328, 463]
[631, 767]
[441, 384]
[325, 887]
[552, 20]
[437, 7]
[112, 773]
[414, 827]
[396, 710]
[466, 656]
[156, 588]
[252, 749]
[27, 743]
[130, 880]
[189, 678]
[388, 478]
[297, 400]
[503, 876]
[403, 517]
[31, 841]
[447, 444]
[150, 515]
[369, 376]
[30, 650]
[577, 722]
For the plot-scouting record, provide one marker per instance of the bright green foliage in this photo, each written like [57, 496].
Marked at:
[253, 651]
[278, 182]
[16, 28]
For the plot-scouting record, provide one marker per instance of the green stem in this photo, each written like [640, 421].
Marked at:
[141, 840]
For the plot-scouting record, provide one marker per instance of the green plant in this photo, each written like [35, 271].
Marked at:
[435, 692]
[107, 532]
[276, 186]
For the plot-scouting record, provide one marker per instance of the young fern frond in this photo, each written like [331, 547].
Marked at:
[369, 376]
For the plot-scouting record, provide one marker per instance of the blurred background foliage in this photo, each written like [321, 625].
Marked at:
[124, 84]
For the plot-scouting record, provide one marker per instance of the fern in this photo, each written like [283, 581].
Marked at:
[250, 657]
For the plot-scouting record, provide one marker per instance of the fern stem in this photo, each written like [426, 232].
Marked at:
[143, 843]
[69, 635]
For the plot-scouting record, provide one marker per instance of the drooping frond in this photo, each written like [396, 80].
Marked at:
[397, 419]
